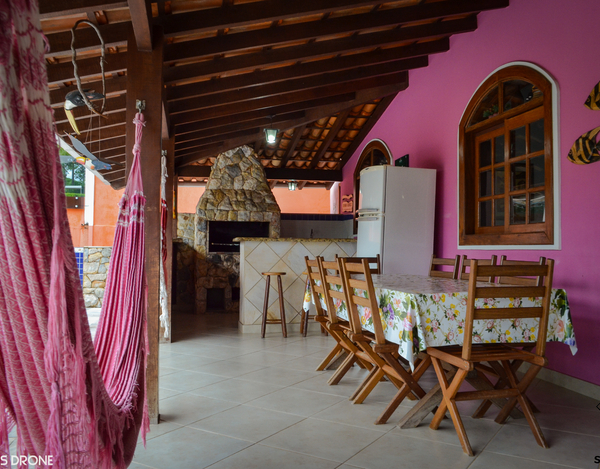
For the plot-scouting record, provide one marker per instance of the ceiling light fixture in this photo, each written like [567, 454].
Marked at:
[292, 185]
[270, 132]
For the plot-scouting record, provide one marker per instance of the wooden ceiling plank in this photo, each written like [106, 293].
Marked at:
[214, 139]
[379, 110]
[114, 87]
[214, 135]
[271, 173]
[365, 59]
[61, 72]
[256, 119]
[314, 29]
[298, 131]
[86, 39]
[329, 185]
[254, 12]
[333, 131]
[296, 85]
[113, 105]
[111, 121]
[141, 17]
[54, 8]
[289, 98]
[318, 49]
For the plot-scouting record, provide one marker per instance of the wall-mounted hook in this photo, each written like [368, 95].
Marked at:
[163, 153]
[140, 104]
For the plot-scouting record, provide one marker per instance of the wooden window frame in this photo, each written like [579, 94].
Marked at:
[366, 153]
[539, 234]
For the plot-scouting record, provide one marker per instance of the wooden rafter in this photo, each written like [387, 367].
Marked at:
[141, 17]
[298, 131]
[332, 133]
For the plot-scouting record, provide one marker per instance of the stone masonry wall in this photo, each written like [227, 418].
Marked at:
[95, 267]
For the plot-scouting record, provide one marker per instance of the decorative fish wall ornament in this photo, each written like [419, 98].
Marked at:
[585, 150]
[593, 100]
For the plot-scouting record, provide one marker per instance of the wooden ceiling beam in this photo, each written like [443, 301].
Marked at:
[320, 175]
[61, 72]
[365, 59]
[364, 131]
[298, 131]
[54, 8]
[113, 105]
[315, 50]
[251, 120]
[311, 30]
[214, 135]
[301, 185]
[104, 134]
[272, 183]
[114, 87]
[214, 139]
[290, 98]
[331, 134]
[106, 144]
[141, 17]
[86, 39]
[116, 119]
[252, 12]
[118, 152]
[113, 175]
[326, 109]
[345, 77]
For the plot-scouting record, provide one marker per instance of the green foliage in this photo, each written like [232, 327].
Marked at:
[74, 175]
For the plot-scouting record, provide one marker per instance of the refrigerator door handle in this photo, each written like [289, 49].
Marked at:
[372, 215]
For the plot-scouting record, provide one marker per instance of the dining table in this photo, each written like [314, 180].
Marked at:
[420, 311]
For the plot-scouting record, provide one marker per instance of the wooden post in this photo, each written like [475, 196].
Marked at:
[144, 82]
[168, 146]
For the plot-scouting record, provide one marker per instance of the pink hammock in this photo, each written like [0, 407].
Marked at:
[72, 408]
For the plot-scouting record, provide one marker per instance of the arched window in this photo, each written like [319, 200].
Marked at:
[374, 154]
[506, 188]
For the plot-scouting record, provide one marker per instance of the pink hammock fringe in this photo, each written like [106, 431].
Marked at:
[82, 409]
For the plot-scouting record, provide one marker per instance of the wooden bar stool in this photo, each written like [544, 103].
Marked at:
[281, 320]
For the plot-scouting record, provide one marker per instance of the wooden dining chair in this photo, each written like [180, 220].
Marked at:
[335, 299]
[374, 262]
[470, 356]
[437, 264]
[465, 265]
[375, 348]
[316, 289]
[522, 280]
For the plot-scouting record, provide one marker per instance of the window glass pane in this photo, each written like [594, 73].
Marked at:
[536, 171]
[499, 149]
[537, 207]
[485, 213]
[517, 92]
[485, 183]
[499, 212]
[487, 108]
[485, 153]
[517, 209]
[536, 136]
[518, 177]
[517, 142]
[499, 180]
[379, 158]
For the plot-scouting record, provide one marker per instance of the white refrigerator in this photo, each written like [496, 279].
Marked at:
[396, 217]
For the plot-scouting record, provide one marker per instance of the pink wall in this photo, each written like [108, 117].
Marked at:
[562, 38]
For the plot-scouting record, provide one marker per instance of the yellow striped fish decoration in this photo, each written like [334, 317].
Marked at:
[593, 100]
[585, 149]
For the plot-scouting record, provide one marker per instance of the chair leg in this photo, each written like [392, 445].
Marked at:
[263, 327]
[338, 360]
[281, 307]
[342, 370]
[450, 390]
[369, 386]
[304, 323]
[365, 381]
[330, 356]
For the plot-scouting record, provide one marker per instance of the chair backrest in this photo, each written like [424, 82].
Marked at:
[314, 280]
[441, 261]
[374, 262]
[523, 280]
[466, 264]
[526, 309]
[333, 287]
[357, 278]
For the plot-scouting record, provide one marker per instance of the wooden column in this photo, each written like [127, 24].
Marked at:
[168, 146]
[144, 82]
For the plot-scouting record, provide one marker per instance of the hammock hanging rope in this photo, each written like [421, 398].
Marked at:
[70, 405]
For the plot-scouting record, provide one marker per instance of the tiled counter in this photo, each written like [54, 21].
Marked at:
[283, 255]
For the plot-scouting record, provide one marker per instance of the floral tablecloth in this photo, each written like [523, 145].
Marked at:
[418, 312]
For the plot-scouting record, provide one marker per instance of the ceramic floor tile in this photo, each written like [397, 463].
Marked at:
[395, 451]
[247, 423]
[279, 376]
[326, 440]
[296, 401]
[488, 460]
[568, 419]
[543, 392]
[237, 390]
[188, 380]
[569, 449]
[187, 408]
[264, 457]
[228, 368]
[361, 415]
[265, 358]
[164, 393]
[164, 370]
[309, 363]
[187, 448]
[186, 362]
[345, 387]
[158, 430]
